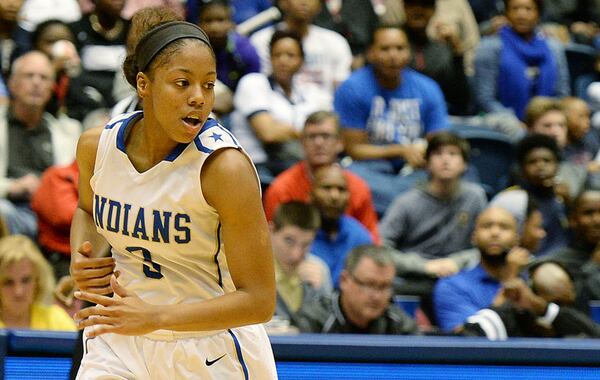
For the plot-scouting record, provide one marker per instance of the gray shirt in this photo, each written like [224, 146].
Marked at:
[29, 150]
[433, 227]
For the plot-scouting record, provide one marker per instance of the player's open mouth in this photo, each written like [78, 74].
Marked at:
[192, 120]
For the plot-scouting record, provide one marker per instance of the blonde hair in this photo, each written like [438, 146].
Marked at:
[538, 106]
[14, 248]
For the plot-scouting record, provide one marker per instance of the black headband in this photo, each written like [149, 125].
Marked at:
[161, 36]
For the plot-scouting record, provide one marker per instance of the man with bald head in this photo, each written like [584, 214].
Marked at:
[457, 297]
[339, 233]
[543, 309]
[31, 139]
[581, 256]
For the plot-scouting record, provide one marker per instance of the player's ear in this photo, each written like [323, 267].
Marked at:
[142, 83]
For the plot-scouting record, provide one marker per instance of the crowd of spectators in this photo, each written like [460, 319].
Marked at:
[353, 112]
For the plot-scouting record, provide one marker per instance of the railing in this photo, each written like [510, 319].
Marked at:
[27, 354]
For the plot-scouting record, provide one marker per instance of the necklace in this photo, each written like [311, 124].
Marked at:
[109, 34]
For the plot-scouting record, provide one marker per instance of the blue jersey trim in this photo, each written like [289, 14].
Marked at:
[176, 152]
[201, 147]
[122, 120]
[123, 128]
[217, 255]
[208, 124]
[231, 135]
[206, 127]
[238, 350]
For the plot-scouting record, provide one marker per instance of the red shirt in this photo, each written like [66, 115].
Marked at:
[294, 184]
[55, 203]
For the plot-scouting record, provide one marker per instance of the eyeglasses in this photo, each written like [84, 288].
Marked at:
[324, 136]
[371, 286]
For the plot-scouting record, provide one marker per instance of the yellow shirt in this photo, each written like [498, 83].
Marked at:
[49, 317]
[289, 288]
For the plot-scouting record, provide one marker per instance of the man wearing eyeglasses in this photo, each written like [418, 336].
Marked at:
[321, 144]
[363, 303]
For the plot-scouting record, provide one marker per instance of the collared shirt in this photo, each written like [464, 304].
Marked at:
[325, 315]
[30, 149]
[350, 234]
[457, 297]
[289, 288]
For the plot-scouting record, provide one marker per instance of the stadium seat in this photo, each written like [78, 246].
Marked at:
[492, 156]
[580, 60]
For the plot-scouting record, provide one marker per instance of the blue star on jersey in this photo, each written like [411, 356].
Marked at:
[215, 136]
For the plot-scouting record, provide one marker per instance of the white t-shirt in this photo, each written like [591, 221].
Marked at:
[256, 93]
[35, 12]
[327, 56]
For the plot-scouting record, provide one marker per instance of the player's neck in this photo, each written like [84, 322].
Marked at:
[146, 148]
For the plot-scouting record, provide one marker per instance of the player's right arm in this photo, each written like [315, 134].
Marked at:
[91, 264]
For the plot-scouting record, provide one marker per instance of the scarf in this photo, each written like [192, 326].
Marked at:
[527, 69]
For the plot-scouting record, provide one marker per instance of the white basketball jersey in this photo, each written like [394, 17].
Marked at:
[165, 237]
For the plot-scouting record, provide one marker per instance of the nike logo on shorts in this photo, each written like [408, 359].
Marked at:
[211, 362]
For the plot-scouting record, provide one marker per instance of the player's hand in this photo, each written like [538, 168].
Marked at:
[125, 314]
[64, 290]
[91, 274]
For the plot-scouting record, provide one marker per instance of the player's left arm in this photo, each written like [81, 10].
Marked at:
[230, 185]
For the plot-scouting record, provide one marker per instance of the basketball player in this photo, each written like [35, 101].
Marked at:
[178, 200]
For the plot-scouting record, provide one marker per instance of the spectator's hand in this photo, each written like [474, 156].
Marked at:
[441, 267]
[497, 22]
[24, 187]
[448, 33]
[561, 190]
[586, 29]
[64, 291]
[311, 273]
[126, 314]
[65, 57]
[517, 259]
[414, 155]
[593, 166]
[521, 296]
[223, 99]
[89, 273]
[500, 298]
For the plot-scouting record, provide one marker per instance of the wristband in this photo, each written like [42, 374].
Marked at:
[548, 318]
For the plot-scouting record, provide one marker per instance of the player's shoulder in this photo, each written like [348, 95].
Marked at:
[121, 119]
[214, 136]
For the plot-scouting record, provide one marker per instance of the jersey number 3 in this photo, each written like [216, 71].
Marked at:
[153, 272]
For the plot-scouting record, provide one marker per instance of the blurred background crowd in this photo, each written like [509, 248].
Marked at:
[427, 166]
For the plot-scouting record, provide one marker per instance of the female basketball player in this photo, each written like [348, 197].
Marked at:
[178, 201]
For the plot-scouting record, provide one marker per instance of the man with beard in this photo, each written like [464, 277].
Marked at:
[362, 305]
[457, 297]
[339, 233]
